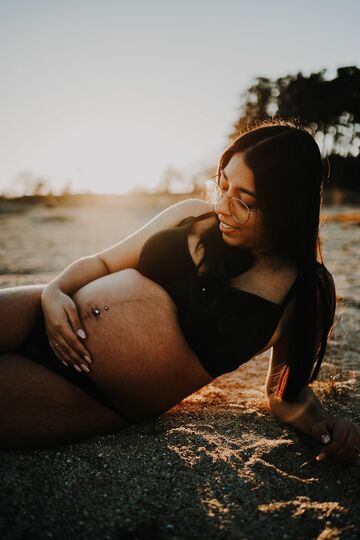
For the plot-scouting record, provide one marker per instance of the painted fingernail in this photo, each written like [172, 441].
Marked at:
[85, 368]
[321, 456]
[77, 368]
[65, 363]
[87, 358]
[325, 438]
[81, 333]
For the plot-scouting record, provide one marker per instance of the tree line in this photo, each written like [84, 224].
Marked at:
[330, 107]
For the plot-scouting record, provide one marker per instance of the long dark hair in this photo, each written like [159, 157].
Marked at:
[289, 175]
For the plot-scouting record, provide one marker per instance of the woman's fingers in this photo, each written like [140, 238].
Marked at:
[338, 435]
[344, 446]
[66, 353]
[74, 359]
[350, 447]
[341, 449]
[76, 326]
[62, 333]
[74, 320]
[55, 347]
[65, 331]
[75, 348]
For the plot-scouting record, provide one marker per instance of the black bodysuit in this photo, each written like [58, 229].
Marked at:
[223, 325]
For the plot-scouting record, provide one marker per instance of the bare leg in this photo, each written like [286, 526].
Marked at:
[19, 309]
[141, 362]
[40, 408]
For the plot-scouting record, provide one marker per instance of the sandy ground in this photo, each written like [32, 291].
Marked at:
[216, 466]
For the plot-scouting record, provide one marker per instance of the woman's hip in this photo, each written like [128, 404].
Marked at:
[141, 359]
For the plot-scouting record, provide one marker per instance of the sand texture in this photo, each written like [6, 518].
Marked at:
[216, 466]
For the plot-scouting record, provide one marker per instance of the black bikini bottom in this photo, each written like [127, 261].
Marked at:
[36, 347]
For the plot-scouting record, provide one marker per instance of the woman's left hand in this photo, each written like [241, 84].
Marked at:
[341, 439]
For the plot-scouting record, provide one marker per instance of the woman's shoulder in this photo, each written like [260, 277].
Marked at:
[180, 212]
[198, 212]
[192, 208]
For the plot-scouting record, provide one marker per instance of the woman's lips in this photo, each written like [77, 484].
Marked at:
[228, 229]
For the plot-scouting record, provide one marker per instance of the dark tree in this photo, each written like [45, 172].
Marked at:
[330, 107]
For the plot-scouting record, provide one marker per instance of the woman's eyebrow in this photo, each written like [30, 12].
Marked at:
[239, 188]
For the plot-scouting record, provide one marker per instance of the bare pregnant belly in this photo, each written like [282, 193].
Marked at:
[140, 358]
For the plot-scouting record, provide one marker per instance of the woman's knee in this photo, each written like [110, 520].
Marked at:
[19, 309]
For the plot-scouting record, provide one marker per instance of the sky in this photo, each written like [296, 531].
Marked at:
[106, 96]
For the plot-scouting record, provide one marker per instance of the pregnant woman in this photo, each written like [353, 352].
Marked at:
[123, 335]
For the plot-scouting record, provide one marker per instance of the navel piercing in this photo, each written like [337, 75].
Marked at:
[96, 311]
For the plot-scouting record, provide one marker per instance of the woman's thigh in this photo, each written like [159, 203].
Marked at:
[140, 356]
[40, 408]
[19, 308]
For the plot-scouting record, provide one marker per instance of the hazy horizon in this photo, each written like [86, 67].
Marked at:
[106, 97]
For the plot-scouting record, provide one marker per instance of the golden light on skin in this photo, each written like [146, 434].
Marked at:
[289, 411]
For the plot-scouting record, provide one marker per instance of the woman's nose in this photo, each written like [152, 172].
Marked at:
[222, 207]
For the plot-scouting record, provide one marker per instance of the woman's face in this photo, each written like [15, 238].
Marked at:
[237, 180]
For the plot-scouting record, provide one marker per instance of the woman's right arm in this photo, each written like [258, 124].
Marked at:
[124, 254]
[340, 438]
[63, 324]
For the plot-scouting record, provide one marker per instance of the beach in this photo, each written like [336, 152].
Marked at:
[218, 465]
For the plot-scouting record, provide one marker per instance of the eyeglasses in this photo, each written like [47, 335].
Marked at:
[238, 209]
